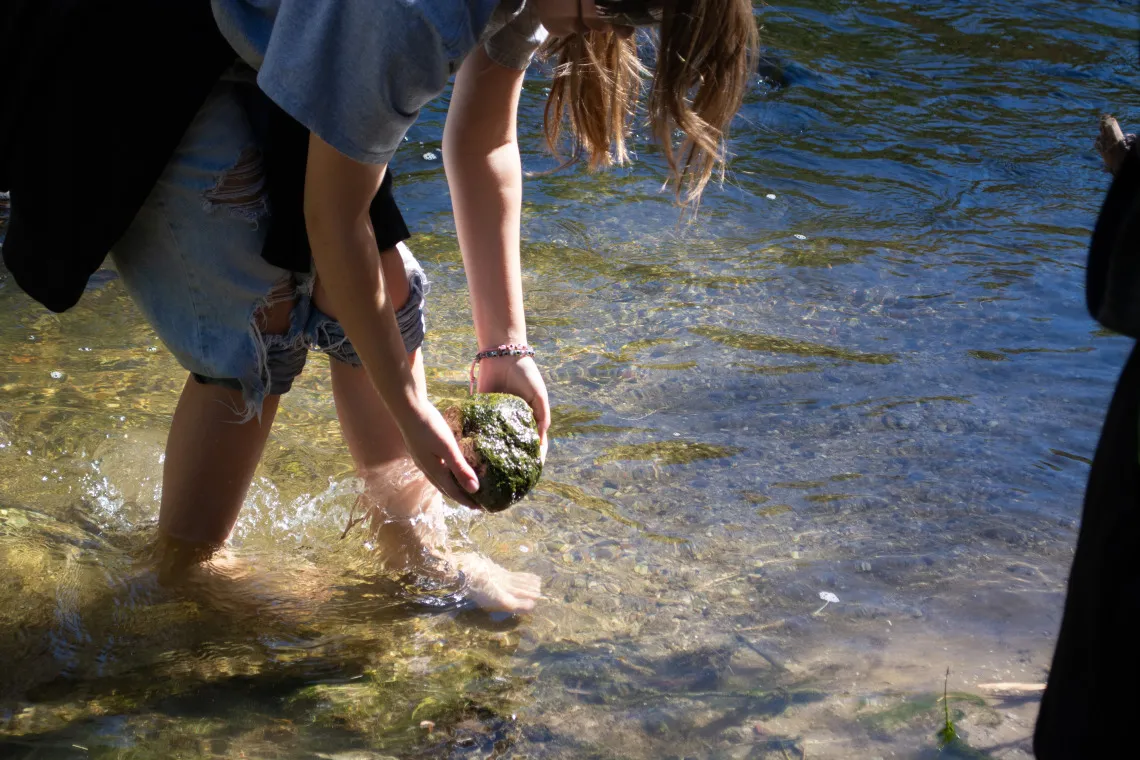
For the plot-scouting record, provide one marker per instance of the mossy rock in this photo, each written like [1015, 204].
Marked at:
[499, 438]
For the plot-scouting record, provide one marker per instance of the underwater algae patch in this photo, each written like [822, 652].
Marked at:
[567, 421]
[584, 500]
[667, 452]
[499, 439]
[989, 356]
[775, 344]
[893, 713]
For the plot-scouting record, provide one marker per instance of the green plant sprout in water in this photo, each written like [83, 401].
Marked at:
[946, 735]
[948, 739]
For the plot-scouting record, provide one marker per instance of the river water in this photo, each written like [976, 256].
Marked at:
[865, 369]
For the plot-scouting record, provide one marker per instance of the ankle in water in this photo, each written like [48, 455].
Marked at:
[172, 557]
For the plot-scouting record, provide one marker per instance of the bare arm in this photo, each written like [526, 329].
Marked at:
[481, 156]
[484, 173]
[338, 192]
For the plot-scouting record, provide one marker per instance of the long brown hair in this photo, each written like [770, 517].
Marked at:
[706, 52]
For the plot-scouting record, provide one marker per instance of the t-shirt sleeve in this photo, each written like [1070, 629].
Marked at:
[514, 45]
[354, 72]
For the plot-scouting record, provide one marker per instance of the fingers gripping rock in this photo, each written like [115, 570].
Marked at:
[499, 439]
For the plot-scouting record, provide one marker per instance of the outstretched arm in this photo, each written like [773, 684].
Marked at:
[338, 191]
[484, 173]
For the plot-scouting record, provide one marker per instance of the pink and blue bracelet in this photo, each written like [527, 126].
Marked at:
[508, 349]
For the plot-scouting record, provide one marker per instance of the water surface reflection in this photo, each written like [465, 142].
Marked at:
[865, 370]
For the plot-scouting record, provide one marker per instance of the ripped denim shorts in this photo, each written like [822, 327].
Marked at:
[192, 263]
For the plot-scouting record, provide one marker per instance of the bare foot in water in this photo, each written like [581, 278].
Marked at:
[407, 516]
[240, 583]
[495, 588]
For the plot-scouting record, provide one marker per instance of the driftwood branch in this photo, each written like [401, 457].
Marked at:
[1112, 143]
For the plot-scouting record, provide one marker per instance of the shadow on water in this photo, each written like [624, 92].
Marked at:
[335, 704]
[229, 652]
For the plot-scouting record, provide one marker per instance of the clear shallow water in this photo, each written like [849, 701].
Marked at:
[881, 383]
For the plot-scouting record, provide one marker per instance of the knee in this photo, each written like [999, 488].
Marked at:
[407, 286]
[397, 282]
[275, 315]
[396, 277]
[277, 355]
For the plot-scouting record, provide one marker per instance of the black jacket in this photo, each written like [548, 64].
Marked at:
[1113, 274]
[99, 93]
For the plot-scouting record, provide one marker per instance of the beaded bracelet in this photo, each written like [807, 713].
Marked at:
[510, 349]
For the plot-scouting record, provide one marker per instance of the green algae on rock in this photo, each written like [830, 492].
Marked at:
[499, 439]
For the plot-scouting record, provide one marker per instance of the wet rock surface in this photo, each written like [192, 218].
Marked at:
[499, 438]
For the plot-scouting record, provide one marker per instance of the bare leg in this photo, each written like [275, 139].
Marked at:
[405, 510]
[210, 460]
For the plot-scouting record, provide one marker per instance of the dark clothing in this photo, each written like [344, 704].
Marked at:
[93, 111]
[1092, 692]
[285, 150]
[1113, 276]
[91, 114]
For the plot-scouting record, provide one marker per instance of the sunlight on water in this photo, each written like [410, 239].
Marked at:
[865, 371]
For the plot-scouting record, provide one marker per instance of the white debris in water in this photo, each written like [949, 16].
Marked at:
[828, 598]
[57, 375]
[429, 156]
[524, 549]
[771, 196]
[798, 236]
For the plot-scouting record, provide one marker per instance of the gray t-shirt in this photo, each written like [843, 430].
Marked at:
[357, 72]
